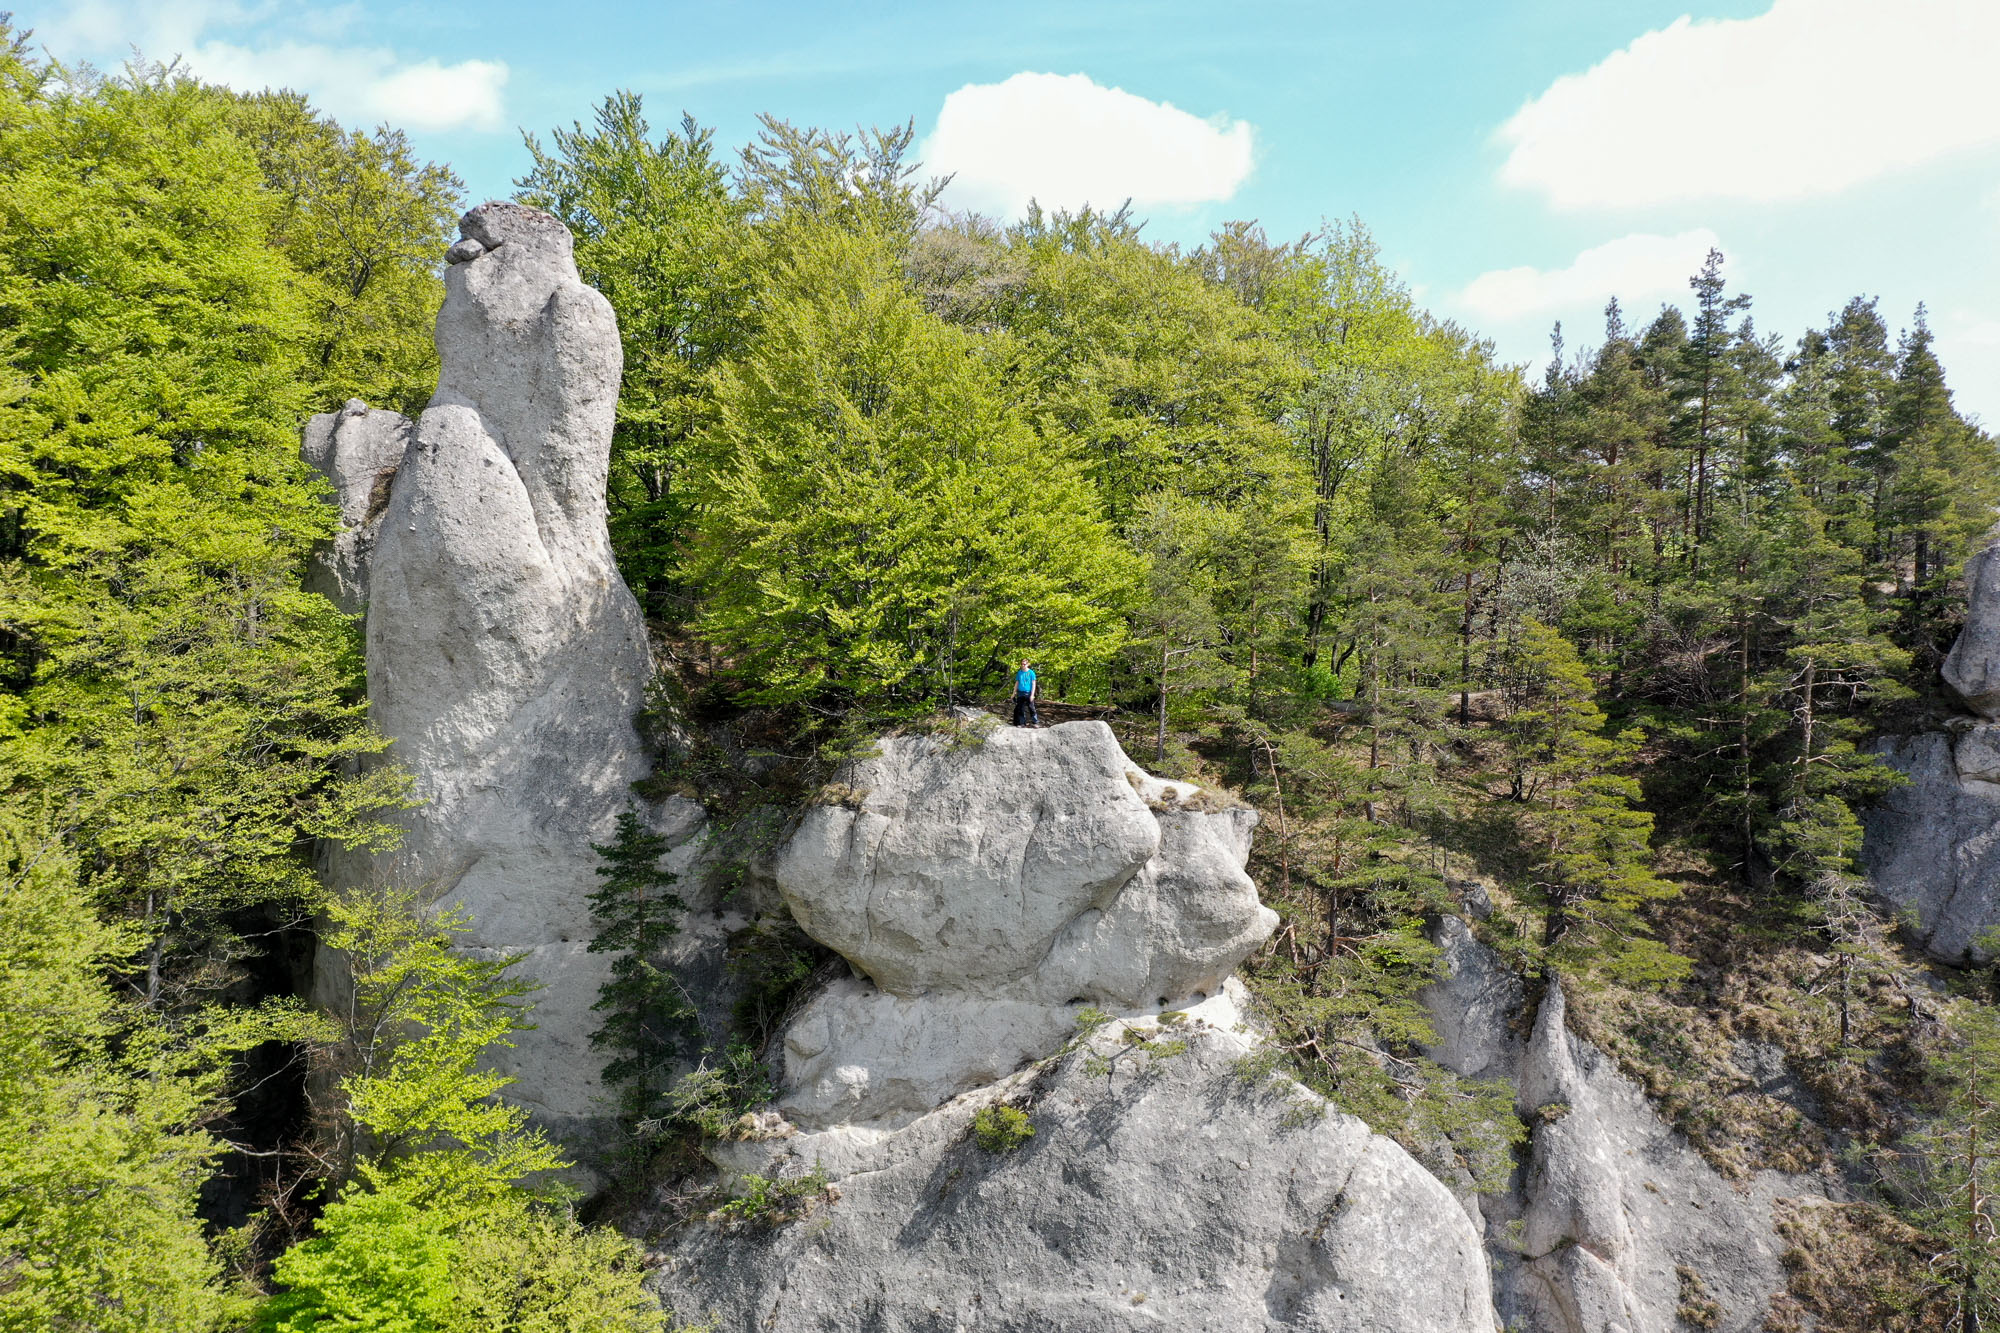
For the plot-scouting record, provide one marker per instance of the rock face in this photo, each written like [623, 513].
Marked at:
[986, 885]
[358, 449]
[1933, 846]
[1615, 1222]
[1160, 1191]
[506, 658]
[1973, 666]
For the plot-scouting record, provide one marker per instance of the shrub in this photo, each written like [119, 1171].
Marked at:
[1001, 1128]
[773, 1202]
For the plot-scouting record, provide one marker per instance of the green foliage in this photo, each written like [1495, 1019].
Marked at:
[380, 1263]
[532, 1269]
[436, 1232]
[660, 234]
[1949, 1177]
[649, 1022]
[1592, 842]
[420, 1016]
[164, 670]
[999, 1128]
[712, 1098]
[774, 1202]
[102, 1153]
[1151, 378]
[877, 526]
[364, 225]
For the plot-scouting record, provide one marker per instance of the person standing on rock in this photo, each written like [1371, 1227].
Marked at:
[1026, 687]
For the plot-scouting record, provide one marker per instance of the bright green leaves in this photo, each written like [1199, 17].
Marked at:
[364, 227]
[877, 527]
[189, 711]
[381, 1264]
[436, 1231]
[420, 1016]
[101, 1154]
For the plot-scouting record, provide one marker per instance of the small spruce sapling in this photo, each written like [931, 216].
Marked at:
[648, 1019]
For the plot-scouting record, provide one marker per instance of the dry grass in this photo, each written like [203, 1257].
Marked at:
[1851, 1268]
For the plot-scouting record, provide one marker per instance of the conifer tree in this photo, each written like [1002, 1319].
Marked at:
[1951, 1179]
[1593, 842]
[648, 1020]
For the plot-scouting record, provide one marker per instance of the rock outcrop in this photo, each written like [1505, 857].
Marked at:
[988, 888]
[506, 658]
[1973, 666]
[1933, 845]
[985, 885]
[1161, 1190]
[1615, 1222]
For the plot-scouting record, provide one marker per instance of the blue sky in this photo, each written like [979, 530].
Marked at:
[1518, 160]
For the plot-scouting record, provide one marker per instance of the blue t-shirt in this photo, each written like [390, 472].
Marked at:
[1024, 681]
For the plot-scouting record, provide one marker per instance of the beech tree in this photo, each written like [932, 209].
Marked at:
[877, 526]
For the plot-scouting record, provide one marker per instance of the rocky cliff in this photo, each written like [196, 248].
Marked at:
[990, 888]
[1028, 920]
[1933, 846]
[506, 658]
[1613, 1223]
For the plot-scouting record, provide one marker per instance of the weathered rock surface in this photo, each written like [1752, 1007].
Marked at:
[1159, 1191]
[358, 449]
[1933, 846]
[506, 658]
[1973, 666]
[1615, 1217]
[986, 885]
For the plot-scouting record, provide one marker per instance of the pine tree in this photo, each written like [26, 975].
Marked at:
[1951, 1178]
[1593, 872]
[649, 1022]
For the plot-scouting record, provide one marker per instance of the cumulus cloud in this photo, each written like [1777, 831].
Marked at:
[360, 85]
[1631, 268]
[363, 85]
[1810, 98]
[1067, 141]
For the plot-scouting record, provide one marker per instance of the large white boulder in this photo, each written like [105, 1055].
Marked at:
[986, 884]
[1164, 1188]
[506, 658]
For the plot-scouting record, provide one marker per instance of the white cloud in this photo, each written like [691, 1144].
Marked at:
[364, 85]
[359, 85]
[1066, 141]
[1807, 99]
[1631, 268]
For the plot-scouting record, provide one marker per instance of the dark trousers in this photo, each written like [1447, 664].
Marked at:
[1024, 711]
